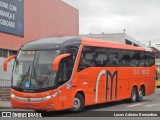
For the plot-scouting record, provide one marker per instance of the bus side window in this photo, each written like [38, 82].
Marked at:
[136, 59]
[67, 64]
[149, 58]
[86, 59]
[101, 59]
[125, 58]
[142, 63]
[113, 57]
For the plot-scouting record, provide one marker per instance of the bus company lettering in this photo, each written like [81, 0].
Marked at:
[144, 72]
[83, 76]
[136, 72]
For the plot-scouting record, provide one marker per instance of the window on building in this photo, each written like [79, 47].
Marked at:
[128, 42]
[12, 52]
[3, 53]
[135, 45]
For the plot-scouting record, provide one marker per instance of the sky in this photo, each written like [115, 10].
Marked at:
[140, 18]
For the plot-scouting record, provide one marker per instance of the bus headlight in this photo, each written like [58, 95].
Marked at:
[48, 97]
[51, 96]
[12, 95]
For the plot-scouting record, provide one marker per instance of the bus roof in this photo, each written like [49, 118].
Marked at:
[50, 43]
[112, 44]
[56, 43]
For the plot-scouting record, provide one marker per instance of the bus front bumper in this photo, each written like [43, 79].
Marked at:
[48, 105]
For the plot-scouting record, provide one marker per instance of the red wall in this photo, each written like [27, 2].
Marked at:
[44, 18]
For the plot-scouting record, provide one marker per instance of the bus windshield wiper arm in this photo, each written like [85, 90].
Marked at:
[26, 74]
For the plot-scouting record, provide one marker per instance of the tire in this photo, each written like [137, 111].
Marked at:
[158, 86]
[134, 95]
[78, 103]
[140, 94]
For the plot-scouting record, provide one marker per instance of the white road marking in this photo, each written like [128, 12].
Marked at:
[151, 105]
[138, 104]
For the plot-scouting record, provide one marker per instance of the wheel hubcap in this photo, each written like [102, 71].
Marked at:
[77, 103]
[134, 96]
[140, 93]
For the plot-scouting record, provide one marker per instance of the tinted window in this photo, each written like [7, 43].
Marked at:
[93, 57]
[136, 58]
[113, 57]
[149, 59]
[67, 64]
[87, 58]
[143, 60]
[101, 57]
[125, 58]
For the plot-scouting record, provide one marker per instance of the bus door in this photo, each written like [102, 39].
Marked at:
[64, 81]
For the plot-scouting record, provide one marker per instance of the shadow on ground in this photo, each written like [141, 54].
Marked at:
[90, 111]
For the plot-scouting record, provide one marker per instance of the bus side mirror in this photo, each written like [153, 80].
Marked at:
[55, 64]
[5, 63]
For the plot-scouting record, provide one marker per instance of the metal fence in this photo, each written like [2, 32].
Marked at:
[5, 83]
[5, 90]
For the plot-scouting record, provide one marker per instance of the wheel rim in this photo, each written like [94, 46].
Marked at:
[134, 96]
[140, 93]
[77, 103]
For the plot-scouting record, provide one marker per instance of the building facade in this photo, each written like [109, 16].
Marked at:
[117, 37]
[39, 19]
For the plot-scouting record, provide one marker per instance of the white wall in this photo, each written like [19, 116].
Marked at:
[118, 37]
[6, 75]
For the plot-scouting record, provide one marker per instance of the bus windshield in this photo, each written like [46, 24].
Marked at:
[33, 70]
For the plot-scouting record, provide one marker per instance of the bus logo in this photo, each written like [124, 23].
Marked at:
[111, 75]
[113, 83]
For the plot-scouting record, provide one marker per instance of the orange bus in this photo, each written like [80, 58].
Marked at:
[69, 73]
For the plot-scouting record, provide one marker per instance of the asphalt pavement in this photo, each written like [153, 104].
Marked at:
[150, 103]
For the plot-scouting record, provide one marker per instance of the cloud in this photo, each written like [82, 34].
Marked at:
[140, 18]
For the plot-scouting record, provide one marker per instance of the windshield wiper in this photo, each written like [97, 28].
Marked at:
[25, 75]
[33, 75]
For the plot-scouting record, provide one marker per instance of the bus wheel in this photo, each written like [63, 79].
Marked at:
[140, 94]
[78, 103]
[133, 98]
